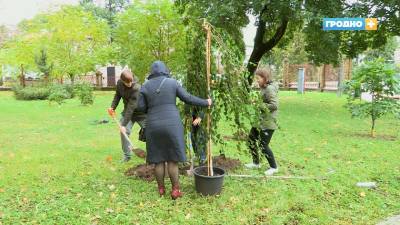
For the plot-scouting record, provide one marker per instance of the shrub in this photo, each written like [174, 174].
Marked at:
[31, 93]
[378, 79]
[85, 93]
[58, 93]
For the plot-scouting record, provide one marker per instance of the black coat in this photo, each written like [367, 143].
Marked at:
[164, 129]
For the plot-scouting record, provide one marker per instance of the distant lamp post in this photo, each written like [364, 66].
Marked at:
[300, 81]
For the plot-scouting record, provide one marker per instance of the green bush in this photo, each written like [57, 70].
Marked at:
[31, 93]
[70, 89]
[379, 80]
[85, 93]
[58, 93]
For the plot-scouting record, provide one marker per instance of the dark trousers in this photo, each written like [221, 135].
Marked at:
[260, 139]
[199, 143]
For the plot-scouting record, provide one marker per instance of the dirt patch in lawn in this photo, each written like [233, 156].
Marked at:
[226, 163]
[142, 171]
[383, 137]
[146, 172]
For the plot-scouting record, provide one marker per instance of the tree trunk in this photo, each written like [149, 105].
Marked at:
[373, 118]
[286, 73]
[46, 78]
[22, 76]
[373, 127]
[72, 78]
[322, 80]
[341, 79]
[260, 46]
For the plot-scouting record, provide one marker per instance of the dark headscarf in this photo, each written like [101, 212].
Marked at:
[158, 68]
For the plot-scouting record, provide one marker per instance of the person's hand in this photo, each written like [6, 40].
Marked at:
[209, 102]
[111, 112]
[197, 121]
[122, 129]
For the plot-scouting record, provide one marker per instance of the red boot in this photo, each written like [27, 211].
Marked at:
[161, 190]
[176, 193]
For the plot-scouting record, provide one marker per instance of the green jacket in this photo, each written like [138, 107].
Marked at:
[270, 98]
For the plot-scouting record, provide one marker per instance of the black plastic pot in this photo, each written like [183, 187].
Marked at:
[208, 185]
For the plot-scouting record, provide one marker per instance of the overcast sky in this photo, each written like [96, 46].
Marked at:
[13, 11]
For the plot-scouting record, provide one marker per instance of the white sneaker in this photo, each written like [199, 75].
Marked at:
[252, 166]
[271, 171]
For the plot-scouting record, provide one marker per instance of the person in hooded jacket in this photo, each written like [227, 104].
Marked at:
[164, 128]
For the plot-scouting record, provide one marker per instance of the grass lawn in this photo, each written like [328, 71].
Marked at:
[53, 170]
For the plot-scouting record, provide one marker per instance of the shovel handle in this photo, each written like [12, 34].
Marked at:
[111, 112]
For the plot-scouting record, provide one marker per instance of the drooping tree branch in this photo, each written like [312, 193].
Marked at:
[260, 46]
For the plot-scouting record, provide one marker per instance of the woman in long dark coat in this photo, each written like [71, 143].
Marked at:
[164, 129]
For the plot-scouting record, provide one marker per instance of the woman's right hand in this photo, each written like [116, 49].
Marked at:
[209, 102]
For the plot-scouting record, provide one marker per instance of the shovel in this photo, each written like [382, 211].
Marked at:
[138, 153]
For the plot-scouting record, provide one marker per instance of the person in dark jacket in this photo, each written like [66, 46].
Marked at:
[261, 135]
[197, 134]
[128, 89]
[164, 128]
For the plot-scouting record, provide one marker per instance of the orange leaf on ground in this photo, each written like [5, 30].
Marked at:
[109, 158]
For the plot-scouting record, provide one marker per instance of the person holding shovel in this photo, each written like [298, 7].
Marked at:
[164, 128]
[128, 88]
[261, 136]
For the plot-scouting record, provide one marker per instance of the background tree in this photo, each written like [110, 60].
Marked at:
[378, 79]
[43, 65]
[78, 41]
[3, 37]
[19, 53]
[75, 42]
[148, 32]
[109, 11]
[386, 51]
[277, 21]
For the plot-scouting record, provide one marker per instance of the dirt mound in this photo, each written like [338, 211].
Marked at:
[142, 171]
[146, 172]
[226, 163]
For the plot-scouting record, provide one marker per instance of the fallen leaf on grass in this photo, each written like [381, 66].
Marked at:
[111, 187]
[362, 194]
[266, 210]
[109, 158]
[109, 210]
[25, 200]
[2, 190]
[94, 220]
[113, 195]
[188, 216]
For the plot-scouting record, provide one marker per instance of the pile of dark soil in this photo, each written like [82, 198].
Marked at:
[146, 172]
[142, 171]
[225, 163]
